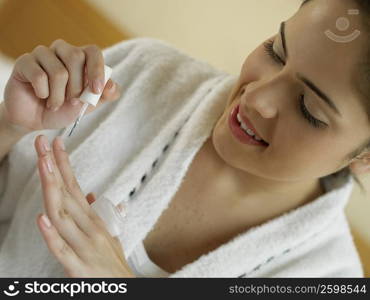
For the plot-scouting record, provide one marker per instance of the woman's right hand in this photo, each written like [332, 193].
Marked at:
[53, 77]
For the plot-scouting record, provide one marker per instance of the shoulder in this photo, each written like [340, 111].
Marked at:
[333, 252]
[144, 45]
[154, 53]
[329, 252]
[342, 250]
[137, 44]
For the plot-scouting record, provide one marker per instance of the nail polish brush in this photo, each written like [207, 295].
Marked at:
[89, 98]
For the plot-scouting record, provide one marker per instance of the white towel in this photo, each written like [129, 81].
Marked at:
[138, 149]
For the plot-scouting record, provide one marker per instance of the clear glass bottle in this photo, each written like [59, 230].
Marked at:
[113, 216]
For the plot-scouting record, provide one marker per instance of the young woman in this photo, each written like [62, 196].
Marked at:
[203, 197]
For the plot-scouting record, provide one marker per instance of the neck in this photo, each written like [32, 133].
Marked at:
[247, 187]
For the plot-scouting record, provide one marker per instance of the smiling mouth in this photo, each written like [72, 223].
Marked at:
[238, 131]
[249, 131]
[241, 119]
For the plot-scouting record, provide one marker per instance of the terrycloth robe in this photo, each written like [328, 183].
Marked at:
[137, 150]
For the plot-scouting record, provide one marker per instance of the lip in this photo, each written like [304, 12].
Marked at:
[248, 123]
[239, 133]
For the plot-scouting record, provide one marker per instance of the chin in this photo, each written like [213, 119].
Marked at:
[223, 142]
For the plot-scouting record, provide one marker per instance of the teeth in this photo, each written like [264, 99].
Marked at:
[243, 125]
[250, 132]
[246, 129]
[238, 117]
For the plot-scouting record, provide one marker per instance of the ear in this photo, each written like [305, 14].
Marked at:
[360, 165]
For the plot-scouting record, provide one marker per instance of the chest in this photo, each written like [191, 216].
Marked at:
[185, 231]
[191, 226]
[200, 217]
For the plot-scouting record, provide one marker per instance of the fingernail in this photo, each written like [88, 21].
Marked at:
[49, 164]
[61, 143]
[112, 88]
[55, 108]
[98, 86]
[45, 143]
[121, 210]
[46, 220]
[74, 102]
[109, 84]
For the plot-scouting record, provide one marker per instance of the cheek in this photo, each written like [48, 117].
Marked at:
[314, 153]
[297, 145]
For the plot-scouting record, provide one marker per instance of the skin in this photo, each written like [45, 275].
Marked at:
[77, 237]
[288, 169]
[50, 78]
[298, 154]
[260, 183]
[42, 80]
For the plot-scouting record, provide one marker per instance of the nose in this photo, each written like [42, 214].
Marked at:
[263, 97]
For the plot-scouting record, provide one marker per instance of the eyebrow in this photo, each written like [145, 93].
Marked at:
[306, 81]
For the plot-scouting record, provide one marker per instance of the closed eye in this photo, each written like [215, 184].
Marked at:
[306, 114]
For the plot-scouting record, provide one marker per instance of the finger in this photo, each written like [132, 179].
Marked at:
[95, 68]
[58, 247]
[121, 208]
[43, 149]
[108, 89]
[86, 80]
[63, 172]
[76, 100]
[57, 75]
[30, 71]
[81, 212]
[66, 172]
[74, 60]
[111, 91]
[58, 198]
[118, 246]
[116, 95]
[54, 203]
[81, 218]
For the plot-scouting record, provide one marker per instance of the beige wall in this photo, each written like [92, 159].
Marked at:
[221, 32]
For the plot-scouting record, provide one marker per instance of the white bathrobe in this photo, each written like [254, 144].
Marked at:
[137, 151]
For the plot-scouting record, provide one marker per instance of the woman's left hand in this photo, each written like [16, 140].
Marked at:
[77, 237]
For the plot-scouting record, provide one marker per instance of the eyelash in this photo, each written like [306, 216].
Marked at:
[306, 114]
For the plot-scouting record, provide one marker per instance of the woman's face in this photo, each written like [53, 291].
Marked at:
[269, 92]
